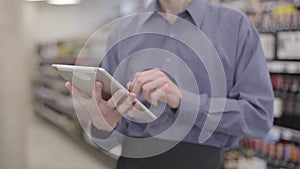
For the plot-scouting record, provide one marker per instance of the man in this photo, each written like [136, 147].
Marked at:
[249, 97]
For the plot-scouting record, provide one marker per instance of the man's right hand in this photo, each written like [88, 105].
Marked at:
[105, 114]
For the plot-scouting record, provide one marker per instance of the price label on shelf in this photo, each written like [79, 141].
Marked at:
[277, 107]
[287, 134]
[268, 44]
[288, 46]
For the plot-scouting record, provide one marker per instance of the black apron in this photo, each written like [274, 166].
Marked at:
[182, 156]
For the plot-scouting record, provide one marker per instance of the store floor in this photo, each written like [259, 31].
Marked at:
[49, 148]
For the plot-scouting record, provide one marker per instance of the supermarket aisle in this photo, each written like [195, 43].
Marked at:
[48, 148]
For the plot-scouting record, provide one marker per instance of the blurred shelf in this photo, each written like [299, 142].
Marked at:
[284, 67]
[46, 79]
[279, 30]
[57, 119]
[288, 121]
[288, 134]
[78, 60]
[285, 73]
[69, 111]
[58, 60]
[55, 83]
[284, 60]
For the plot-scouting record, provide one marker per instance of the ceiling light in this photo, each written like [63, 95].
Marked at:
[35, 0]
[63, 2]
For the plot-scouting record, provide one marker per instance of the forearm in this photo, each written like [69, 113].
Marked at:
[246, 116]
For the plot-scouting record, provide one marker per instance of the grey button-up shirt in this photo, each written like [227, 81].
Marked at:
[249, 97]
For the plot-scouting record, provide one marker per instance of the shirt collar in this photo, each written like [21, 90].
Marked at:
[195, 9]
[153, 7]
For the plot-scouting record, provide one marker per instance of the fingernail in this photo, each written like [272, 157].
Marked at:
[99, 84]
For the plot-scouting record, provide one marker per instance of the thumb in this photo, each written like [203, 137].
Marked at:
[98, 91]
[68, 85]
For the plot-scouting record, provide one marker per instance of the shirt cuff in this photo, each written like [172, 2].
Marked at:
[100, 134]
[193, 107]
[104, 139]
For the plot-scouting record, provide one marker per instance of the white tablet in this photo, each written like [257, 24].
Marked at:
[83, 78]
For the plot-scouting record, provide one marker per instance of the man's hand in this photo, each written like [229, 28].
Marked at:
[105, 114]
[156, 86]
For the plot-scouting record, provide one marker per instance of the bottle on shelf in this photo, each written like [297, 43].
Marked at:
[258, 147]
[271, 153]
[292, 96]
[298, 158]
[297, 103]
[277, 82]
[278, 155]
[295, 19]
[294, 153]
[285, 92]
[279, 16]
[295, 95]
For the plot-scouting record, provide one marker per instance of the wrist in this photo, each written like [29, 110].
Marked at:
[177, 101]
[100, 133]
[102, 127]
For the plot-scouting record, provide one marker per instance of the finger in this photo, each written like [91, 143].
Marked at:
[112, 103]
[133, 96]
[98, 91]
[126, 105]
[137, 85]
[114, 118]
[137, 105]
[143, 78]
[79, 93]
[158, 95]
[150, 87]
[129, 86]
[148, 72]
[68, 85]
[81, 97]
[74, 90]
